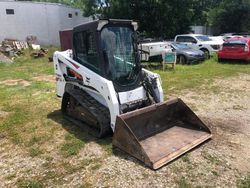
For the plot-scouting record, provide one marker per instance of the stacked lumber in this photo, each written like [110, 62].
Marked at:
[12, 47]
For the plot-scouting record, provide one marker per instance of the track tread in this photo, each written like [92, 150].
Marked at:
[100, 112]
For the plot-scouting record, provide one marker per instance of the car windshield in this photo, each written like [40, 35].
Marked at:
[236, 41]
[203, 38]
[180, 46]
[121, 62]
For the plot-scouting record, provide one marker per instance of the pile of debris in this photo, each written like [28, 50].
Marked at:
[13, 48]
[37, 50]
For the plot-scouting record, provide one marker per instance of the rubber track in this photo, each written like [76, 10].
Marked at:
[100, 112]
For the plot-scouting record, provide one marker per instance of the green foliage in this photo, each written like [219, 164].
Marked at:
[157, 18]
[231, 16]
[165, 19]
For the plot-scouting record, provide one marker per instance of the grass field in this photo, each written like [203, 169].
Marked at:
[194, 76]
[32, 126]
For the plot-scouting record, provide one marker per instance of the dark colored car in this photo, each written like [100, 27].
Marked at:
[186, 54]
[235, 48]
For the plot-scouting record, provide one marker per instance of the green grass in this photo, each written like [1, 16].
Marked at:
[193, 76]
[29, 183]
[72, 145]
[26, 66]
[184, 184]
[35, 151]
[212, 159]
[244, 183]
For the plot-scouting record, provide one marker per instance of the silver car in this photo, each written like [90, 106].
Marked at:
[186, 54]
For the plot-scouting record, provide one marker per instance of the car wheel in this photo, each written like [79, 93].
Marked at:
[182, 59]
[206, 52]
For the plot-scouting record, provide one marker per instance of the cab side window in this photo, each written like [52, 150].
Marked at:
[186, 39]
[191, 40]
[180, 39]
[85, 50]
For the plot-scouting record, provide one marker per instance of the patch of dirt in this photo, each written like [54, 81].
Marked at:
[15, 82]
[92, 149]
[46, 78]
[3, 114]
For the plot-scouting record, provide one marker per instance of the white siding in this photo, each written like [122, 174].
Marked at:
[43, 20]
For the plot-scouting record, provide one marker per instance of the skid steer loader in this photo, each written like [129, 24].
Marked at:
[104, 90]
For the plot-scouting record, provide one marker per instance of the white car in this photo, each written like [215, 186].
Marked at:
[200, 42]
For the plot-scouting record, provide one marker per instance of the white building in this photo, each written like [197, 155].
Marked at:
[19, 19]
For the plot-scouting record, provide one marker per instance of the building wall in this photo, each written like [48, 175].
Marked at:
[43, 20]
[206, 30]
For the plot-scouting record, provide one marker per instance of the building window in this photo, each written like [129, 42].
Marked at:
[70, 15]
[76, 13]
[10, 11]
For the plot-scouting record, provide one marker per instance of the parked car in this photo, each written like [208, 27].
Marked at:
[227, 36]
[235, 48]
[199, 42]
[186, 54]
[217, 38]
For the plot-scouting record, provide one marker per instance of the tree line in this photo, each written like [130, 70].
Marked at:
[166, 18]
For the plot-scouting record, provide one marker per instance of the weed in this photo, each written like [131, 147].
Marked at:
[29, 183]
[96, 166]
[35, 152]
[85, 185]
[72, 168]
[238, 107]
[210, 158]
[184, 184]
[215, 173]
[185, 158]
[106, 143]
[10, 176]
[244, 183]
[71, 146]
[49, 158]
[34, 140]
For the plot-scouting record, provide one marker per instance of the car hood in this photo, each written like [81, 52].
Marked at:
[190, 51]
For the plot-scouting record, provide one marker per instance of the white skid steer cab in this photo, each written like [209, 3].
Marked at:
[105, 90]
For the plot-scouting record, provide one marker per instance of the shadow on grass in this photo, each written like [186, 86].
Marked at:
[106, 143]
[77, 131]
[81, 134]
[233, 62]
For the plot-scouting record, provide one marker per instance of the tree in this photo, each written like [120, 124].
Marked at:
[157, 18]
[231, 16]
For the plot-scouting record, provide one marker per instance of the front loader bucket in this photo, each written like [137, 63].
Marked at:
[159, 133]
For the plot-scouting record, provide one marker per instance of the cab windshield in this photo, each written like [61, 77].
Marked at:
[119, 49]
